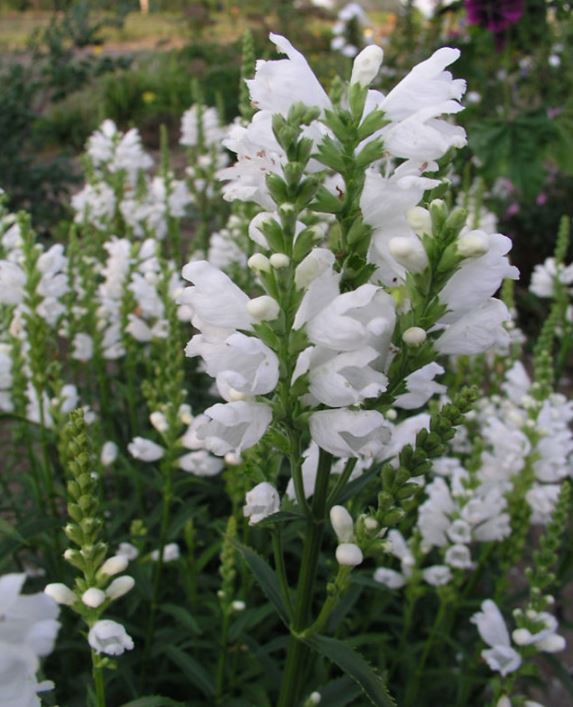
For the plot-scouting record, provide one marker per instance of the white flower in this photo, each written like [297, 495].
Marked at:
[277, 85]
[83, 347]
[215, 300]
[349, 433]
[437, 575]
[109, 453]
[210, 127]
[500, 657]
[114, 565]
[200, 463]
[171, 553]
[459, 556]
[60, 593]
[389, 578]
[109, 637]
[261, 501]
[545, 276]
[234, 426]
[421, 387]
[338, 380]
[476, 331]
[128, 550]
[12, 282]
[145, 449]
[263, 308]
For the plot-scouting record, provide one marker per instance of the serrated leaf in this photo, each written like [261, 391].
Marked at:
[193, 670]
[355, 666]
[266, 578]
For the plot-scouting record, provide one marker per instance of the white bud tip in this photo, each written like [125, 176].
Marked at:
[349, 555]
[414, 336]
[238, 605]
[473, 244]
[367, 65]
[114, 565]
[259, 263]
[119, 587]
[232, 459]
[279, 260]
[342, 523]
[263, 308]
[60, 594]
[93, 597]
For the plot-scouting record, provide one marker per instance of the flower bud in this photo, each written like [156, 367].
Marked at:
[521, 636]
[409, 252]
[108, 453]
[119, 587]
[367, 65]
[420, 220]
[259, 263]
[93, 597]
[60, 593]
[232, 459]
[159, 421]
[238, 605]
[263, 308]
[371, 524]
[279, 260]
[114, 565]
[503, 701]
[342, 523]
[552, 644]
[414, 336]
[473, 244]
[315, 698]
[349, 555]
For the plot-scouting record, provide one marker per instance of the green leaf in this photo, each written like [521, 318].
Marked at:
[8, 530]
[354, 665]
[279, 517]
[559, 671]
[182, 616]
[153, 701]
[267, 579]
[339, 693]
[194, 671]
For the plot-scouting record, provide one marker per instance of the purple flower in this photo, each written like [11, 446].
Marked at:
[494, 15]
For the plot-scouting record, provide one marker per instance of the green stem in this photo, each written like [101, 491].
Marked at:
[291, 682]
[280, 567]
[97, 674]
[220, 676]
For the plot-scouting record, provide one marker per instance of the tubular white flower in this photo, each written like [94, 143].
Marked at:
[389, 578]
[500, 657]
[261, 501]
[201, 463]
[367, 65]
[350, 433]
[410, 253]
[421, 387]
[214, 298]
[109, 637]
[342, 523]
[239, 362]
[232, 427]
[437, 575]
[315, 264]
[476, 331]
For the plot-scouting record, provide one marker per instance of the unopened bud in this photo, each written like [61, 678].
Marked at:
[232, 459]
[420, 220]
[114, 565]
[414, 336]
[159, 421]
[473, 244]
[119, 587]
[349, 555]
[342, 523]
[367, 65]
[238, 605]
[409, 252]
[259, 263]
[60, 593]
[263, 308]
[93, 597]
[279, 260]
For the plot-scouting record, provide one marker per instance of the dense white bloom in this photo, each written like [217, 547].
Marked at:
[500, 657]
[261, 501]
[118, 152]
[145, 449]
[201, 123]
[109, 637]
[12, 283]
[545, 276]
[350, 433]
[94, 204]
